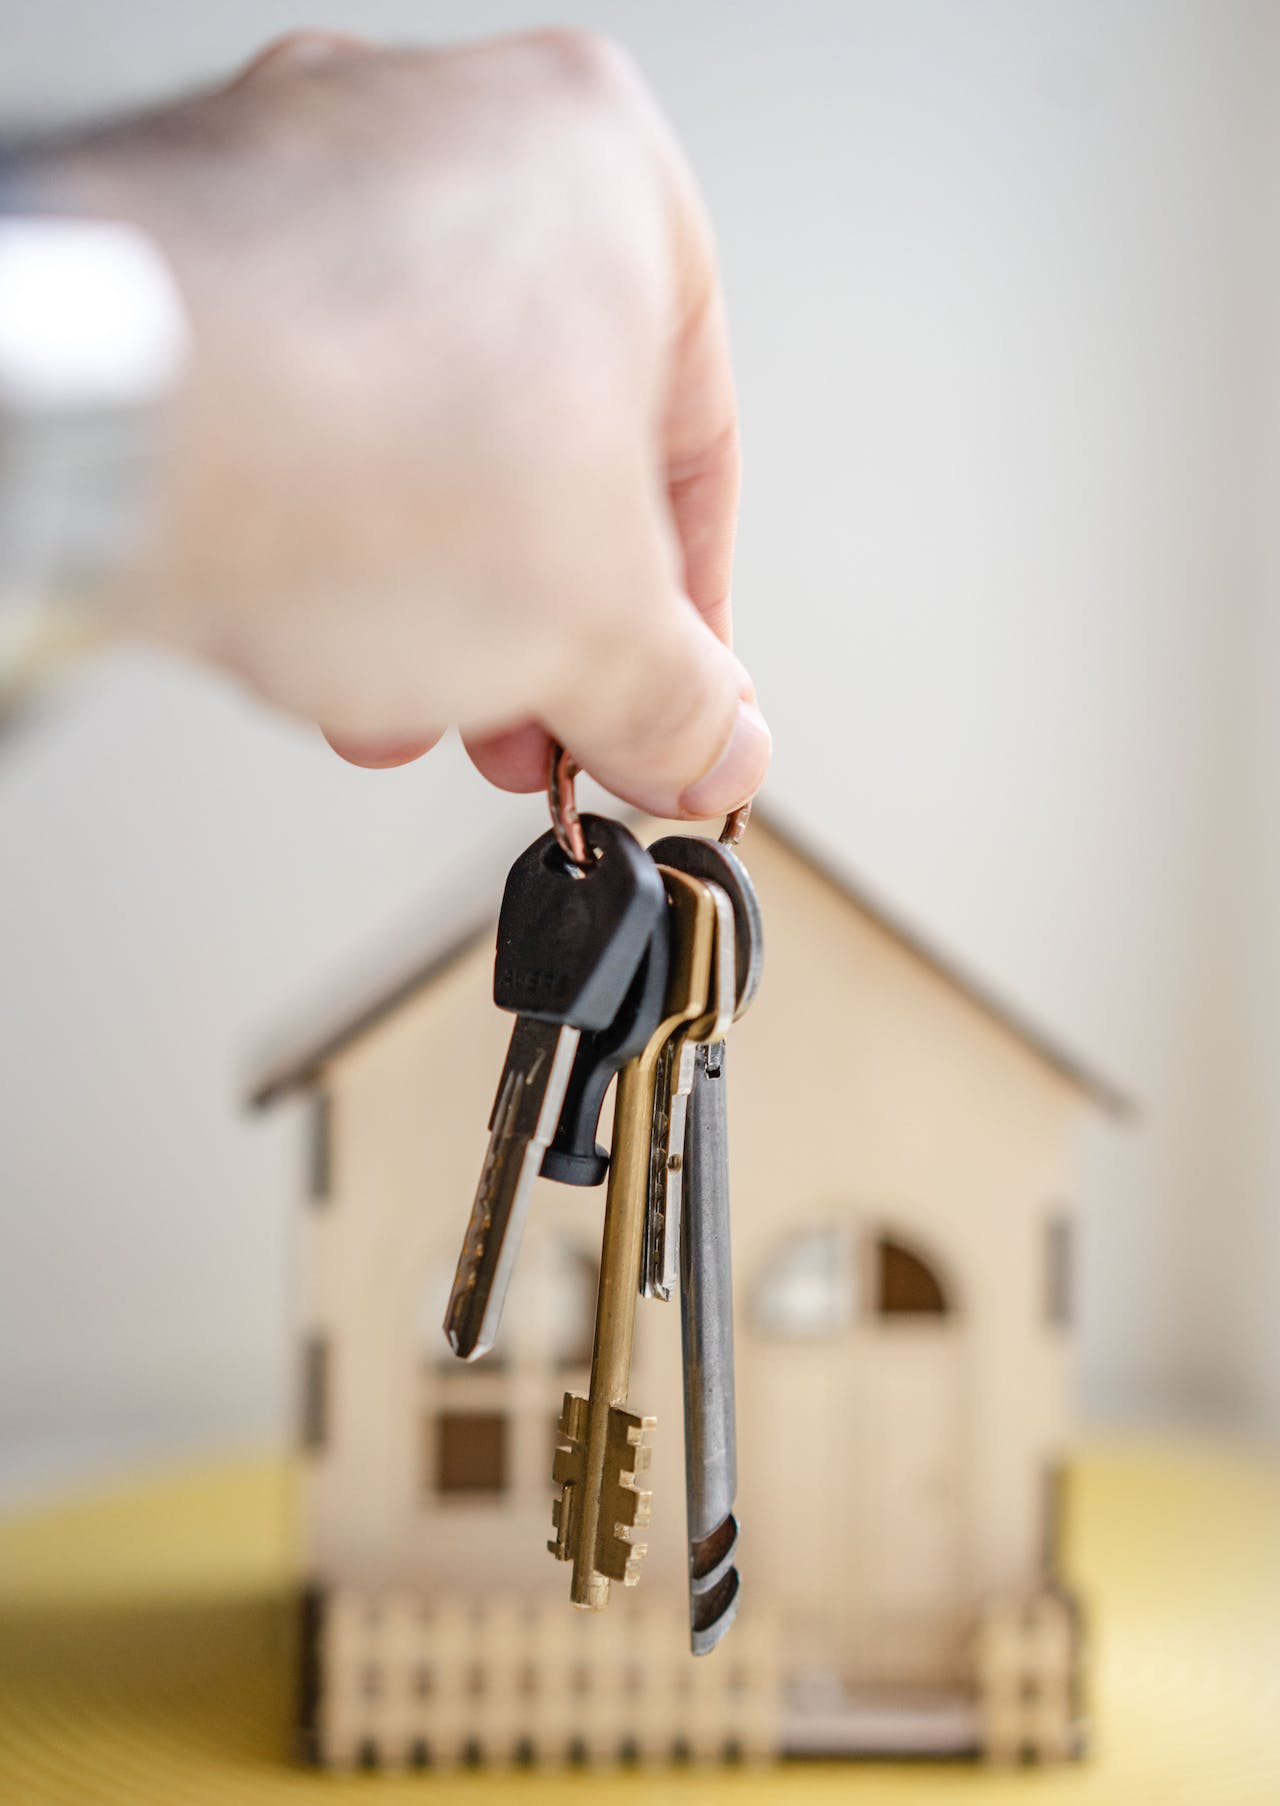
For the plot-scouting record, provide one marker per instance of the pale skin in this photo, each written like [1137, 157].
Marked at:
[459, 442]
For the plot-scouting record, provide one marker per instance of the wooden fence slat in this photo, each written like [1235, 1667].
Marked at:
[404, 1680]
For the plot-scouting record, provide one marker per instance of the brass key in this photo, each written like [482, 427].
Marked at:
[600, 1506]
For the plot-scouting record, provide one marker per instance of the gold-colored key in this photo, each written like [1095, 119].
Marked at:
[600, 1506]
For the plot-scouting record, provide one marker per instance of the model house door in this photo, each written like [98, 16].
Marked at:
[903, 1575]
[853, 1494]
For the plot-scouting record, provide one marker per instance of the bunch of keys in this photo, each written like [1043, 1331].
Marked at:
[618, 961]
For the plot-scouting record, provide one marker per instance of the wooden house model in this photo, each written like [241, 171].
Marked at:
[901, 1168]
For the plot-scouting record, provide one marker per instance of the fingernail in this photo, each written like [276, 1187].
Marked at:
[380, 755]
[739, 771]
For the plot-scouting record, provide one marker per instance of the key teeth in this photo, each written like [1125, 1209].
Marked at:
[628, 1448]
[562, 1514]
[573, 1417]
[630, 1507]
[566, 1472]
[565, 1468]
[621, 1559]
[626, 1506]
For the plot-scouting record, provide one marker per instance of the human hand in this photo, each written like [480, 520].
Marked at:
[459, 442]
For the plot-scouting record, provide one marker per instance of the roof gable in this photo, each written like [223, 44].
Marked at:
[305, 1065]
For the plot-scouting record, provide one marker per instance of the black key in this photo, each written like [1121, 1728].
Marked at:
[574, 1156]
[569, 947]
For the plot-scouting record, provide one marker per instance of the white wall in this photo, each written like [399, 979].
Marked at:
[993, 278]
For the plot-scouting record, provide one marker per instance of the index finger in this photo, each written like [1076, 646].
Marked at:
[700, 434]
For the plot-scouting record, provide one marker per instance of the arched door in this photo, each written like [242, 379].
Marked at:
[855, 1397]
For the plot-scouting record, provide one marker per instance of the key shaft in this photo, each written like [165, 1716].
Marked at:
[706, 1323]
[706, 1279]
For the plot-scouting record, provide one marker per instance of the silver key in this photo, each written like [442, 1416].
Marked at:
[706, 1280]
[706, 1323]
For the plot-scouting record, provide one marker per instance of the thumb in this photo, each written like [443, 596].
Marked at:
[666, 719]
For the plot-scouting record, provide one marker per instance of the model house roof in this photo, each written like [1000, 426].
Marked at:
[304, 1065]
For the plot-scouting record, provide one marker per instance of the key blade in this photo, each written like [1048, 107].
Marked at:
[706, 1313]
[660, 1275]
[525, 1114]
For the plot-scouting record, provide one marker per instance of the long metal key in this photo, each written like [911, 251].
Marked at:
[706, 1327]
[569, 945]
[601, 1506]
[660, 1265]
[706, 1293]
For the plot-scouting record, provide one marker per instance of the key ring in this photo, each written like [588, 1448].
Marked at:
[562, 769]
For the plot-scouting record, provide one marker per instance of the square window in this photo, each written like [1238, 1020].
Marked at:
[471, 1452]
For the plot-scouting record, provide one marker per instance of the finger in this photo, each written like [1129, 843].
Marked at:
[298, 47]
[669, 721]
[515, 759]
[703, 462]
[381, 755]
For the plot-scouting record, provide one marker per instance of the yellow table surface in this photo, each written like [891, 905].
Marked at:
[146, 1636]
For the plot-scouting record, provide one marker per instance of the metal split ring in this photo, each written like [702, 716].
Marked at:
[562, 769]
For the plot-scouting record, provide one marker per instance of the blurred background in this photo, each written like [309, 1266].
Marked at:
[1002, 283]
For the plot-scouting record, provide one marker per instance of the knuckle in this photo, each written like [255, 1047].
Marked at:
[671, 719]
[590, 59]
[595, 78]
[307, 44]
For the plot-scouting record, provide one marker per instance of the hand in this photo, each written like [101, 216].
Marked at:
[459, 442]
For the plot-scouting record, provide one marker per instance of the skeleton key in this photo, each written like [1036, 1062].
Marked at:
[660, 1269]
[569, 945]
[600, 1504]
[706, 1294]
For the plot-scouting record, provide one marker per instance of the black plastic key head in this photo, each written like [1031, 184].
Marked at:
[569, 943]
[574, 1157]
